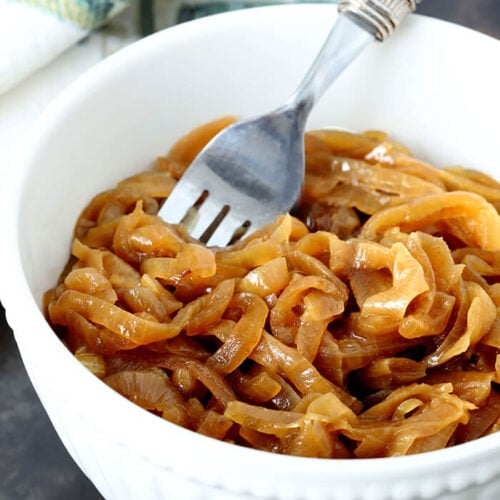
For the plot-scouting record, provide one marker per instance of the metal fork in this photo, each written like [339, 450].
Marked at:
[253, 170]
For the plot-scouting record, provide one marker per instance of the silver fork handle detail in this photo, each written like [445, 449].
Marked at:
[379, 17]
[360, 22]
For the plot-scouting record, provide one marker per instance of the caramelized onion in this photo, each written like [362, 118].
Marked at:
[369, 327]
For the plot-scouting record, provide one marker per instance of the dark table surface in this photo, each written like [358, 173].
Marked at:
[33, 463]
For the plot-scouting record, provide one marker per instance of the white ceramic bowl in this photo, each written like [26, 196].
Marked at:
[433, 85]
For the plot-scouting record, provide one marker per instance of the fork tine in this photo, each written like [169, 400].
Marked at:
[207, 213]
[221, 202]
[225, 231]
[179, 202]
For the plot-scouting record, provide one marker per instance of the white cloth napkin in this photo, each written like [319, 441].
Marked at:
[40, 50]
[30, 37]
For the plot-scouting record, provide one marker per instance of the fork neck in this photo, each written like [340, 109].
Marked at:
[346, 40]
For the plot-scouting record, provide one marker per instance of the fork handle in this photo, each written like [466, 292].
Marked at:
[359, 23]
[378, 17]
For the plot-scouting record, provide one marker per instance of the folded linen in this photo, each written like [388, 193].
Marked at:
[33, 32]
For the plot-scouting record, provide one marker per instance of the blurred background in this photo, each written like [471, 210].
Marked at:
[33, 463]
[483, 15]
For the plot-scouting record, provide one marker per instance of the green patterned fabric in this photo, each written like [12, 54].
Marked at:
[88, 14]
